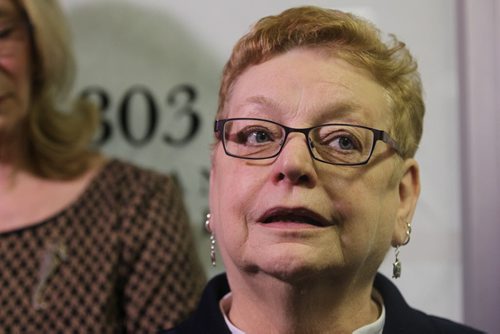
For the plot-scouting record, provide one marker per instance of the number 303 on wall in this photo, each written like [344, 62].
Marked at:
[180, 99]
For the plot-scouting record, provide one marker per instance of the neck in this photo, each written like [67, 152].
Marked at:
[13, 152]
[7, 176]
[316, 305]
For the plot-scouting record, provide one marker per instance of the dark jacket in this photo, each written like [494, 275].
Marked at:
[400, 318]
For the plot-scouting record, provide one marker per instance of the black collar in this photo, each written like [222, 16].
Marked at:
[400, 317]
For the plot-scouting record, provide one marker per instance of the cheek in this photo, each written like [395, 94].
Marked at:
[10, 64]
[366, 209]
[235, 183]
[228, 192]
[18, 69]
[235, 189]
[25, 74]
[380, 212]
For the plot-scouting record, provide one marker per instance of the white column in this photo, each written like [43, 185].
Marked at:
[479, 33]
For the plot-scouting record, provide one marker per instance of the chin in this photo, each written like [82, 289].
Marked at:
[294, 266]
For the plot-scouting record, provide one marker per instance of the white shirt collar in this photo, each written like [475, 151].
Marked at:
[225, 305]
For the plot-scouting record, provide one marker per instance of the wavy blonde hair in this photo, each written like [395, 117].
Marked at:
[349, 37]
[58, 142]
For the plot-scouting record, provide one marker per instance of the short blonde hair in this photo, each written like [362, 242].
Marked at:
[349, 37]
[58, 141]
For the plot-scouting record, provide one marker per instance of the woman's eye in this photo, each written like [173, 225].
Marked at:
[10, 28]
[254, 137]
[5, 32]
[345, 143]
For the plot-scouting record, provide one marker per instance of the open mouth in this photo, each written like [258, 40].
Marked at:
[297, 216]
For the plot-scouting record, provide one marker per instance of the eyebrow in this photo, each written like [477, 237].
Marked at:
[339, 109]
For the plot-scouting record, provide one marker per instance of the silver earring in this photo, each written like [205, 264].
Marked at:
[396, 265]
[212, 250]
[212, 241]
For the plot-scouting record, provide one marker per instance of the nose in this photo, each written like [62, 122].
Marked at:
[295, 165]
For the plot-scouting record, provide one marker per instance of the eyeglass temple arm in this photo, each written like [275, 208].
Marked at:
[218, 129]
[218, 125]
[386, 138]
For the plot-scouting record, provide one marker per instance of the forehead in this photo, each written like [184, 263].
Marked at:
[309, 86]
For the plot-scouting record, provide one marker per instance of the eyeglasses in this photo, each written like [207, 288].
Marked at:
[336, 144]
[12, 32]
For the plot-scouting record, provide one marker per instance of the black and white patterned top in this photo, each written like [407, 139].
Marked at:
[119, 260]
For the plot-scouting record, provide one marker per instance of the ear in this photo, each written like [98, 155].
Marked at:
[409, 191]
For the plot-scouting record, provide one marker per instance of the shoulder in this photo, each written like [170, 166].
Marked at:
[120, 171]
[401, 318]
[447, 326]
[139, 198]
[129, 184]
[208, 317]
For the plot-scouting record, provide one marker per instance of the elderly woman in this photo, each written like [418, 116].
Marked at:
[313, 180]
[87, 244]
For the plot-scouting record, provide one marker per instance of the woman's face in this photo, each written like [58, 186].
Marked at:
[292, 216]
[15, 65]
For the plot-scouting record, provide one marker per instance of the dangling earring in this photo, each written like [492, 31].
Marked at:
[212, 240]
[396, 265]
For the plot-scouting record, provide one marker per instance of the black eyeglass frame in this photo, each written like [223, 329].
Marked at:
[377, 135]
